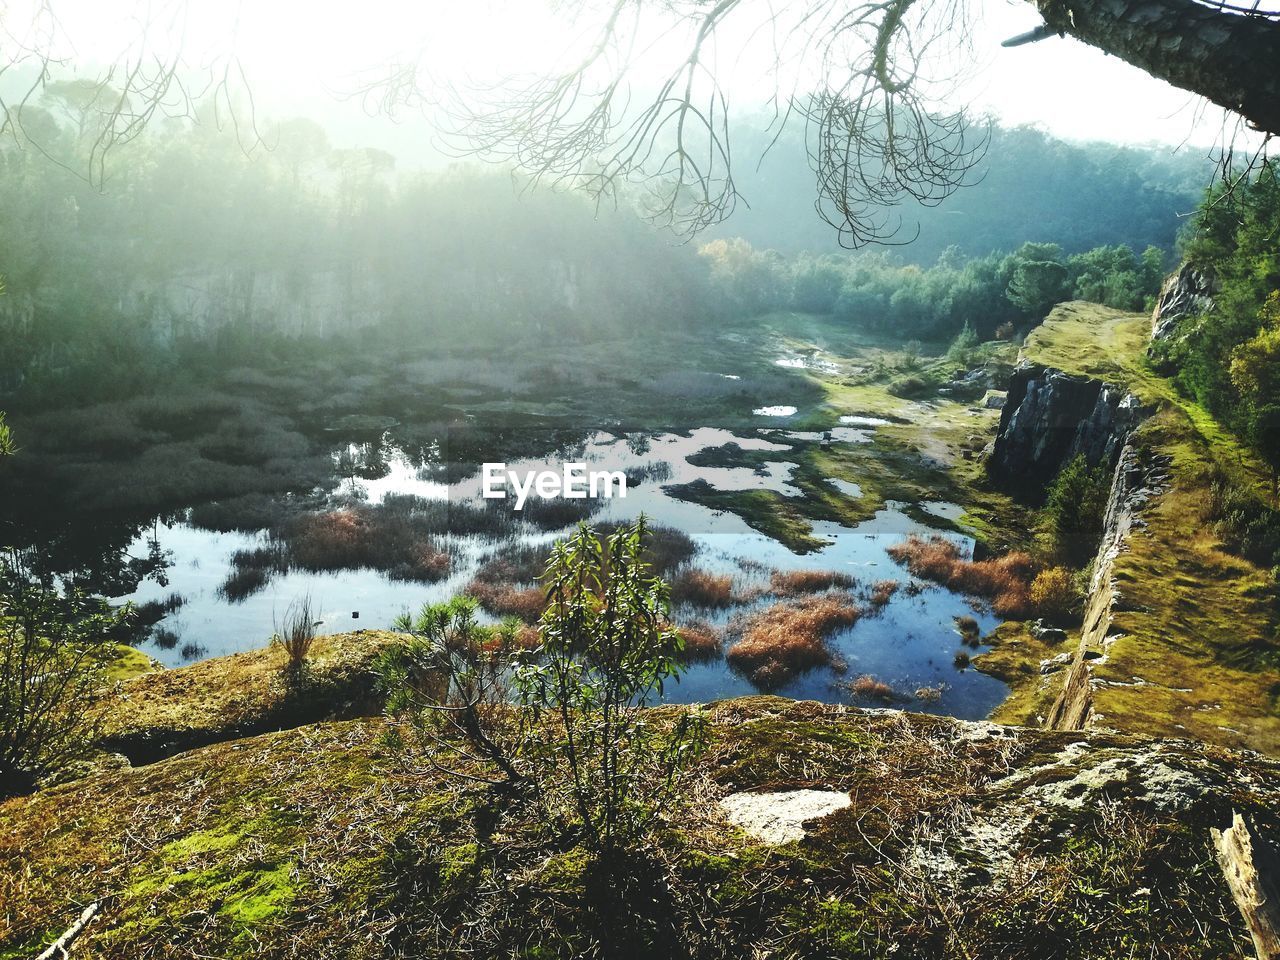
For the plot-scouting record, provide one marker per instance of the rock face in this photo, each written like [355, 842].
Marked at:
[1138, 478]
[1185, 293]
[1049, 417]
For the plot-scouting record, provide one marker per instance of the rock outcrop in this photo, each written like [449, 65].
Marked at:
[1049, 417]
[1185, 293]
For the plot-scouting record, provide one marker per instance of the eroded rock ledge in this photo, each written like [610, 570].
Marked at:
[1139, 476]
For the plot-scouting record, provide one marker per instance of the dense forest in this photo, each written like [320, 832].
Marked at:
[1078, 195]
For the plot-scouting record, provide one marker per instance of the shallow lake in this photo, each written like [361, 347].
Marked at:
[909, 644]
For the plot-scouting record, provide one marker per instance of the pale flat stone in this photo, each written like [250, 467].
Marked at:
[776, 818]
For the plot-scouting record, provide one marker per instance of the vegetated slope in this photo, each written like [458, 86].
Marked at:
[1193, 645]
[961, 839]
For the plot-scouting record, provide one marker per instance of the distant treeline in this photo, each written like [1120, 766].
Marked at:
[880, 292]
[195, 251]
[1079, 196]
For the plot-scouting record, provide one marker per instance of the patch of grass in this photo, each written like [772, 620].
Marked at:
[702, 640]
[508, 599]
[701, 588]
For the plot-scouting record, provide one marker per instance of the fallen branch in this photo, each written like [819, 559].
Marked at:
[62, 946]
[1252, 890]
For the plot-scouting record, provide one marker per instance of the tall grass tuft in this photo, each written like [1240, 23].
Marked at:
[296, 633]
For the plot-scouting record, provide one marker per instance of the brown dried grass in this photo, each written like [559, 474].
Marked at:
[780, 641]
[1004, 581]
[793, 583]
[867, 687]
[701, 588]
[702, 640]
[509, 599]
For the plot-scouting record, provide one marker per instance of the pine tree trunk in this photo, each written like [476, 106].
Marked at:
[1229, 58]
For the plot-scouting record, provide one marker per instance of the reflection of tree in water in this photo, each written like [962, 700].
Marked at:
[98, 558]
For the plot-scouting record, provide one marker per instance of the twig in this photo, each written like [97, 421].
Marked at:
[62, 946]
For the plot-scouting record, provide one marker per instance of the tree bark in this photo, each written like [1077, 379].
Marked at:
[1229, 58]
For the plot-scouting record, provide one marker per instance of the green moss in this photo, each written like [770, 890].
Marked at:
[129, 662]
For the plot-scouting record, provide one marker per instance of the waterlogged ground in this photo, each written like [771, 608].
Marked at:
[909, 644]
[785, 443]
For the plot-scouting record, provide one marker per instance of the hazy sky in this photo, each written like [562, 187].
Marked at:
[298, 50]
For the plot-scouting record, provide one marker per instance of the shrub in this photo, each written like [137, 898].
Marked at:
[1055, 595]
[910, 386]
[1074, 510]
[607, 651]
[782, 640]
[54, 650]
[1248, 526]
[564, 716]
[447, 686]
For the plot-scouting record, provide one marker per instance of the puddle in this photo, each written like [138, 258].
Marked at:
[854, 420]
[943, 509]
[847, 487]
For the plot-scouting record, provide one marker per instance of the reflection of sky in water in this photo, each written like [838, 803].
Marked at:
[910, 644]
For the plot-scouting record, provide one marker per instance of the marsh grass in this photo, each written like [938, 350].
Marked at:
[867, 687]
[1004, 581]
[702, 640]
[701, 588]
[505, 599]
[782, 640]
[794, 583]
[881, 592]
[390, 537]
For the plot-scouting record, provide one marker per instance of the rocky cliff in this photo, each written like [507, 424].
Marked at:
[1049, 417]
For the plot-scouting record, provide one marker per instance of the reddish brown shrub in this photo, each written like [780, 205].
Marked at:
[792, 583]
[780, 641]
[1005, 581]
